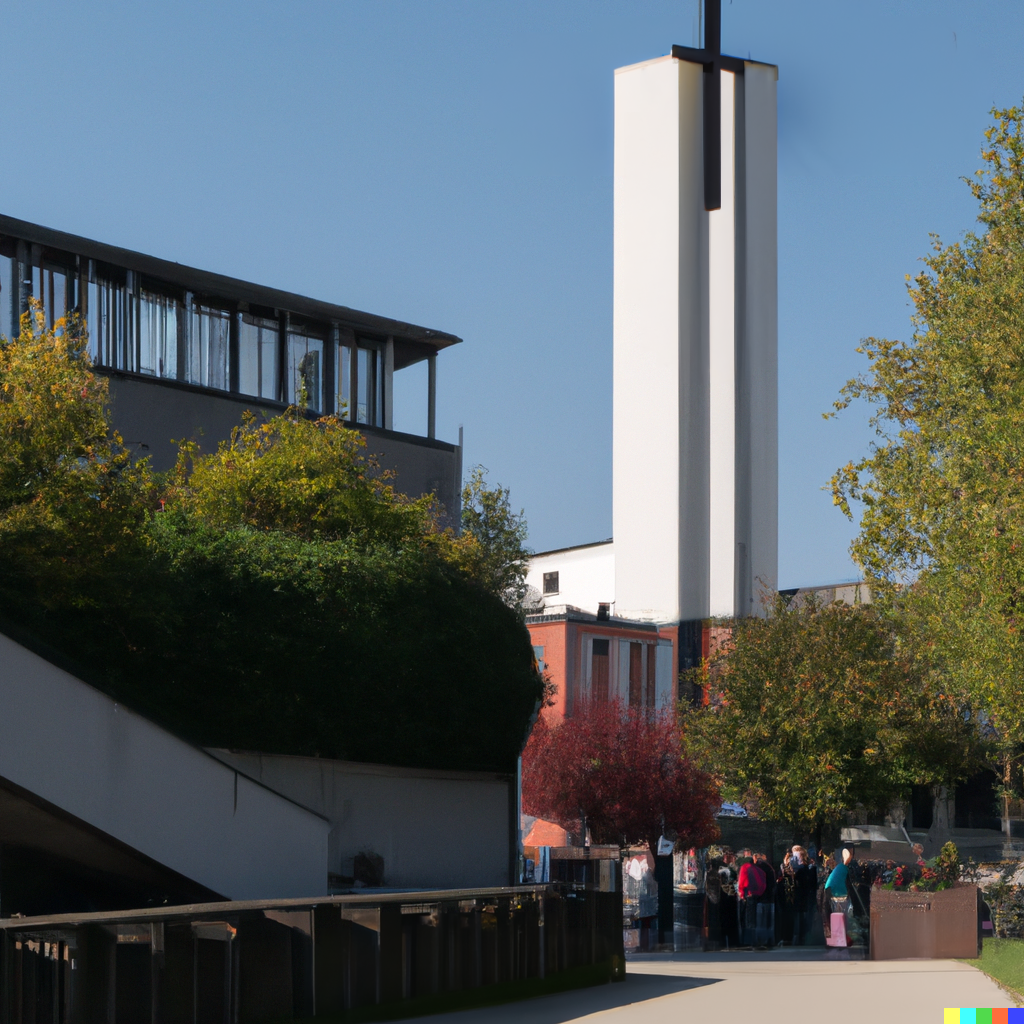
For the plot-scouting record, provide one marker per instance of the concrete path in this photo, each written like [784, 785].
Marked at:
[767, 988]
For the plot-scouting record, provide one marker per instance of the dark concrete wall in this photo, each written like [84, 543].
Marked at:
[151, 415]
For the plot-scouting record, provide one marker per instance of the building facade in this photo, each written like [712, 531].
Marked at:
[694, 426]
[187, 352]
[587, 657]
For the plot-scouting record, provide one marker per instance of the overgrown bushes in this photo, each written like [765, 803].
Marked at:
[276, 595]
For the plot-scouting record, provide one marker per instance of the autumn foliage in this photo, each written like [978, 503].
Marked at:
[815, 708]
[274, 593]
[624, 772]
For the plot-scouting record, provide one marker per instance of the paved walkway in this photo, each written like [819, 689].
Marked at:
[779, 987]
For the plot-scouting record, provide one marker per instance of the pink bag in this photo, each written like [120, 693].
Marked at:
[837, 925]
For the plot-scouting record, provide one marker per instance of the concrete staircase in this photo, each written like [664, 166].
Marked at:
[87, 782]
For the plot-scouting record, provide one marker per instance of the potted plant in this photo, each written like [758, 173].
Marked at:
[925, 912]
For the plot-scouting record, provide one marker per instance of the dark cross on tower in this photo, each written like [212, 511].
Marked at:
[714, 63]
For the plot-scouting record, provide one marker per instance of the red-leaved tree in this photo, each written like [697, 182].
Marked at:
[624, 772]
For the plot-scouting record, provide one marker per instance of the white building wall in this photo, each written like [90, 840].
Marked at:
[760, 326]
[586, 576]
[695, 492]
[659, 428]
[722, 372]
[94, 759]
[434, 829]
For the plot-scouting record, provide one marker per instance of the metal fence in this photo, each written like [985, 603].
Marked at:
[232, 963]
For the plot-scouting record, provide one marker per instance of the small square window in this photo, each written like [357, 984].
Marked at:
[551, 583]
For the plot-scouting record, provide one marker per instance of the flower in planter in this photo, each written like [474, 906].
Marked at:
[941, 873]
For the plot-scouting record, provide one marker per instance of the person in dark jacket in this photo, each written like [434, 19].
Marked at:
[785, 895]
[766, 903]
[729, 872]
[805, 897]
[713, 904]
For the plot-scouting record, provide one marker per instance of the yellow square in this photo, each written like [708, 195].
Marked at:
[951, 1015]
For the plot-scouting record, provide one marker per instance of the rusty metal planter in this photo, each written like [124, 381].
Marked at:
[925, 925]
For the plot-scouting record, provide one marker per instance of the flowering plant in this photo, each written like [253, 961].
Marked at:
[941, 873]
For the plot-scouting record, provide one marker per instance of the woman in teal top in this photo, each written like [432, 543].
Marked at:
[836, 882]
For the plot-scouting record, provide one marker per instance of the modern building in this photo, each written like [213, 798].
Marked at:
[694, 426]
[695, 437]
[187, 352]
[100, 807]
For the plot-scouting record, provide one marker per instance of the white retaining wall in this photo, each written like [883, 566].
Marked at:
[94, 759]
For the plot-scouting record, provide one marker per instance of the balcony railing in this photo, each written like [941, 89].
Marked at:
[158, 319]
[279, 960]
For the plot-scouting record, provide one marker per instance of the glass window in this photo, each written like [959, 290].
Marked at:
[538, 656]
[158, 334]
[362, 385]
[257, 356]
[8, 298]
[636, 679]
[369, 397]
[344, 405]
[206, 360]
[652, 664]
[378, 388]
[50, 287]
[305, 360]
[599, 674]
[56, 295]
[108, 324]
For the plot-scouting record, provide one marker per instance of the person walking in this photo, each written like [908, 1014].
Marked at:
[837, 891]
[750, 888]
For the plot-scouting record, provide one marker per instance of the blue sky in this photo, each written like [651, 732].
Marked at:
[450, 163]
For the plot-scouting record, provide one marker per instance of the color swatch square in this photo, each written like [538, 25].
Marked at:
[983, 1015]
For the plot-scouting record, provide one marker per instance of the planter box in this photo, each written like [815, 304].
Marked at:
[925, 925]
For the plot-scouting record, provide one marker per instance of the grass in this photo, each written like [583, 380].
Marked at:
[1003, 961]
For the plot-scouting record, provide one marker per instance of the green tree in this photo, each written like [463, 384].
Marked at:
[71, 496]
[815, 709]
[501, 558]
[305, 477]
[942, 488]
[274, 594]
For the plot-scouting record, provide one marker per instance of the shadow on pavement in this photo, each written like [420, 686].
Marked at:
[786, 954]
[568, 1006]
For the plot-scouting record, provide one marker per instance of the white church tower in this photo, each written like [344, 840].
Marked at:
[695, 425]
[695, 412]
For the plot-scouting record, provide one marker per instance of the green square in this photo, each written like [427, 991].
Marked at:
[983, 1016]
